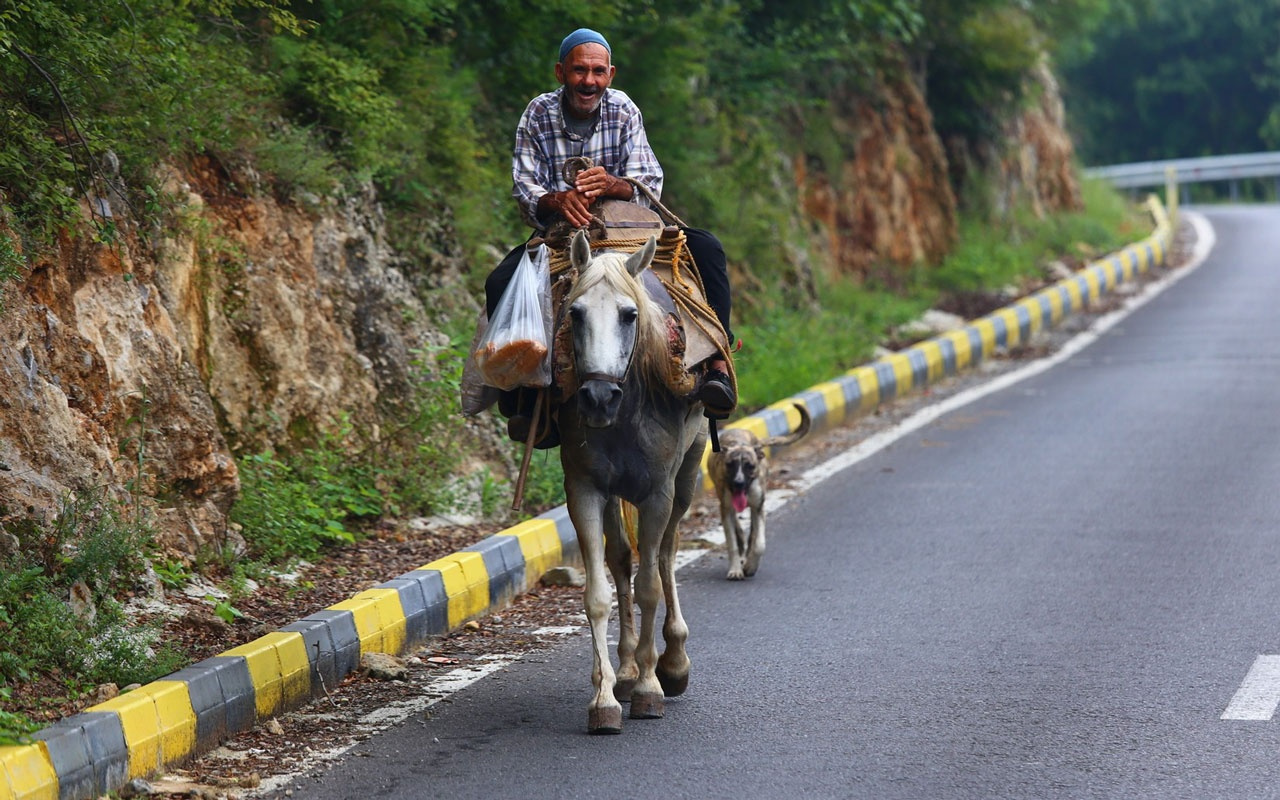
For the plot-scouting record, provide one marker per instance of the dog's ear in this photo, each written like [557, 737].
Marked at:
[759, 452]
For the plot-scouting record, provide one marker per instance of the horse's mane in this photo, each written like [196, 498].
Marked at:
[650, 355]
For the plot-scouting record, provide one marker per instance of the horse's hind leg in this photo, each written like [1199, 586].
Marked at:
[604, 713]
[673, 666]
[617, 553]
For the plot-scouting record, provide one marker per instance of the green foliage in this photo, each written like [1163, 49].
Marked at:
[1177, 79]
[91, 541]
[544, 485]
[287, 512]
[847, 321]
[15, 729]
[839, 333]
[12, 264]
[294, 505]
[86, 90]
[225, 611]
[990, 256]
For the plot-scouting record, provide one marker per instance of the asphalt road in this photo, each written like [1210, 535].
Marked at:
[1056, 591]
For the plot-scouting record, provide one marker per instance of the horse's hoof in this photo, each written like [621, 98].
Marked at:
[672, 685]
[646, 705]
[604, 720]
[622, 690]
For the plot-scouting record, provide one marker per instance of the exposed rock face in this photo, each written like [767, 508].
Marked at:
[1036, 163]
[1032, 163]
[250, 321]
[892, 201]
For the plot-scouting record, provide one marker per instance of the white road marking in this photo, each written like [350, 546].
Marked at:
[1259, 695]
[558, 630]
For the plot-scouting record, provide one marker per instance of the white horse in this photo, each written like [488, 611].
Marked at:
[625, 435]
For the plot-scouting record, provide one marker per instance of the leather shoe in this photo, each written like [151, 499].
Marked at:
[716, 392]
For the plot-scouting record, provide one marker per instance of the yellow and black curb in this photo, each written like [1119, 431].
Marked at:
[192, 711]
[864, 388]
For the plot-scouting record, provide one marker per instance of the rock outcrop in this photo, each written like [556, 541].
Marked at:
[139, 368]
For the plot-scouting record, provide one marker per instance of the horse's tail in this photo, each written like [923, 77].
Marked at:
[631, 524]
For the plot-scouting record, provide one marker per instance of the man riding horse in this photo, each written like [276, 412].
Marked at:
[587, 118]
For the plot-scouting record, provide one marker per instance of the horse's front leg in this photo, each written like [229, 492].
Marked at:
[673, 667]
[646, 699]
[617, 551]
[604, 713]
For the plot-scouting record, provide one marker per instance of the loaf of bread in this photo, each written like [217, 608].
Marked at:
[512, 364]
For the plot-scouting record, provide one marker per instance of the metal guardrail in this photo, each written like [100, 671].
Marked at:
[1189, 170]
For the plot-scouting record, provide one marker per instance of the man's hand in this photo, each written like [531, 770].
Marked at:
[575, 204]
[595, 183]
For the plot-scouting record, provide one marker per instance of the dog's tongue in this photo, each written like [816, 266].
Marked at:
[739, 501]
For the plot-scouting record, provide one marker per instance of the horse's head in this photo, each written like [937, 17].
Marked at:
[612, 320]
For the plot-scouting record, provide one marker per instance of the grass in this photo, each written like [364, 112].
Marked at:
[794, 349]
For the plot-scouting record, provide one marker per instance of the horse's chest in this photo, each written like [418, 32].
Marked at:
[622, 468]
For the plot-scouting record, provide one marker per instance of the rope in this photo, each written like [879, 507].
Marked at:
[576, 164]
[560, 263]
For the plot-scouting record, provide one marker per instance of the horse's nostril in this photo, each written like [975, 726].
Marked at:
[597, 396]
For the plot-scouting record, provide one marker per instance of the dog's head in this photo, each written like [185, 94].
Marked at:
[740, 463]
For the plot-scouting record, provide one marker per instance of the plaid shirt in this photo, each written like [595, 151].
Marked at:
[618, 143]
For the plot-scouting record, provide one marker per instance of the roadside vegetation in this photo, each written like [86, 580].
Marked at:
[417, 98]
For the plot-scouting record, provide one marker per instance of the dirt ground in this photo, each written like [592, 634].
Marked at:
[253, 764]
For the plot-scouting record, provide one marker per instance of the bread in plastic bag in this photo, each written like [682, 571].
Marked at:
[515, 349]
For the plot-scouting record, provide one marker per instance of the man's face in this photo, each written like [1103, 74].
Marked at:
[585, 73]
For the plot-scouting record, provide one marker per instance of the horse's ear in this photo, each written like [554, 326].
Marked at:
[579, 250]
[639, 260]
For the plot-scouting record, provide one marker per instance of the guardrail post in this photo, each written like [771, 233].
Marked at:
[1171, 193]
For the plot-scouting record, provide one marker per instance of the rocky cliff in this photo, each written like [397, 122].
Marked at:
[138, 365]
[141, 366]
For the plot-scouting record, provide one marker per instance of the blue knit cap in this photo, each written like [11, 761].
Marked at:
[581, 36]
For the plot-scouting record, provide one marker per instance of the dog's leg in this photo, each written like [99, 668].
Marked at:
[732, 535]
[756, 544]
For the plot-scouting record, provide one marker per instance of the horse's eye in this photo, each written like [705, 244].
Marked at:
[628, 315]
[575, 314]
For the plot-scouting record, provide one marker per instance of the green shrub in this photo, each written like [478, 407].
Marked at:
[12, 264]
[93, 542]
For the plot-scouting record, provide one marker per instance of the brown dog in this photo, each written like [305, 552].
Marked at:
[740, 474]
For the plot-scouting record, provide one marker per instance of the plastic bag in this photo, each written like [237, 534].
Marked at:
[476, 396]
[515, 350]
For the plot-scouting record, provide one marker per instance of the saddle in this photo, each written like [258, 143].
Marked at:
[695, 334]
